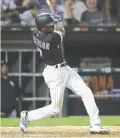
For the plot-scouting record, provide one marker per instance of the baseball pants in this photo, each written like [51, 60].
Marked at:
[57, 80]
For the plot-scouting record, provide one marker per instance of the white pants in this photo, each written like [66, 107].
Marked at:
[57, 80]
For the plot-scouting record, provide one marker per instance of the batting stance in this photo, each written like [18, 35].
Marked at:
[58, 75]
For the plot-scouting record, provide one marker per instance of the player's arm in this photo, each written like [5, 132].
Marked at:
[34, 31]
[59, 27]
[56, 39]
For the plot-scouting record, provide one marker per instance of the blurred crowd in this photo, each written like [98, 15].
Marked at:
[83, 12]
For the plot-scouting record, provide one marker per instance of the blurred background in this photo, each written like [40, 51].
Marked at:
[92, 48]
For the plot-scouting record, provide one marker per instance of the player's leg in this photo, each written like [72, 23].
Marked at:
[49, 110]
[45, 112]
[77, 85]
[56, 86]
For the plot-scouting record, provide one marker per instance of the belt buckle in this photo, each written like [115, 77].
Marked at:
[58, 66]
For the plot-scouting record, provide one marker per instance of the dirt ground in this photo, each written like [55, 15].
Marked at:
[57, 132]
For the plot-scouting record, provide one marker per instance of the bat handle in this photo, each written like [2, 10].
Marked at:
[56, 16]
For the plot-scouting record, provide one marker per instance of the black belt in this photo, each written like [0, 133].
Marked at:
[60, 65]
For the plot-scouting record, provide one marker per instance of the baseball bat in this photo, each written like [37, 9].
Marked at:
[50, 6]
[52, 10]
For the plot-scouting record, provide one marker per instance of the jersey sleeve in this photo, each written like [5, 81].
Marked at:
[58, 35]
[34, 32]
[56, 39]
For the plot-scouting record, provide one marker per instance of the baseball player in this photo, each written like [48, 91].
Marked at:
[48, 38]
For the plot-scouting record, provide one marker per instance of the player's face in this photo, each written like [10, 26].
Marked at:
[48, 29]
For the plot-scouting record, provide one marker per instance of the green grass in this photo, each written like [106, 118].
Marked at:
[70, 121]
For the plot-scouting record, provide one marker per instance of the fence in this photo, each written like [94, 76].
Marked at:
[26, 69]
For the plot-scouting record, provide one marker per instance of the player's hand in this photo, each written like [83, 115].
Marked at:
[56, 16]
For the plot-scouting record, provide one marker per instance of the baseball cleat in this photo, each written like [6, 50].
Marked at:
[24, 121]
[98, 130]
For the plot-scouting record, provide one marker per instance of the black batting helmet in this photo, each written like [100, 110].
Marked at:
[44, 19]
